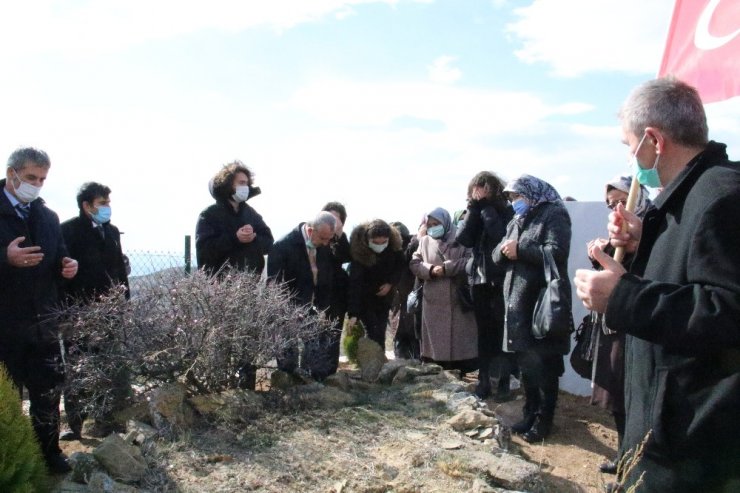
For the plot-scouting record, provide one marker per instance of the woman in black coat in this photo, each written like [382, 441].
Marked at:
[540, 222]
[484, 226]
[375, 270]
[231, 233]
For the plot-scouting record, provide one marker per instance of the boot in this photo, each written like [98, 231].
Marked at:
[483, 389]
[540, 429]
[524, 425]
[503, 390]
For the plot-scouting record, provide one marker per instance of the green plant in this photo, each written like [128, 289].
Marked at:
[22, 467]
[352, 334]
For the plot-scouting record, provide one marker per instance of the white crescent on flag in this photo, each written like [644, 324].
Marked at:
[703, 39]
[703, 47]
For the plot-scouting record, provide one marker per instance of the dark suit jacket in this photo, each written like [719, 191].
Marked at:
[100, 259]
[288, 262]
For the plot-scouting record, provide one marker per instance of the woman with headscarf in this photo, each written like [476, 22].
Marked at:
[607, 346]
[540, 223]
[449, 335]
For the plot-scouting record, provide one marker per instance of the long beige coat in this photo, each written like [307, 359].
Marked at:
[448, 333]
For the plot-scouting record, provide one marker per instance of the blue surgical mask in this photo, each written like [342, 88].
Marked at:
[647, 177]
[103, 214]
[520, 206]
[436, 232]
[377, 248]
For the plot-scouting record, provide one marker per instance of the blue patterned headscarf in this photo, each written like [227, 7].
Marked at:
[533, 189]
[445, 219]
[623, 183]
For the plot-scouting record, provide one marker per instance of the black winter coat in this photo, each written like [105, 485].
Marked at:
[680, 308]
[288, 262]
[100, 260]
[339, 254]
[369, 270]
[483, 228]
[216, 243]
[28, 296]
[545, 226]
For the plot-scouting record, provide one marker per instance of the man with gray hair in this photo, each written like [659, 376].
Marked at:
[301, 260]
[33, 262]
[679, 304]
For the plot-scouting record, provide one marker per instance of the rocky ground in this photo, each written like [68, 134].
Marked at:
[353, 436]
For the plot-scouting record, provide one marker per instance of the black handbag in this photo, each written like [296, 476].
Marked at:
[413, 301]
[552, 316]
[464, 296]
[581, 358]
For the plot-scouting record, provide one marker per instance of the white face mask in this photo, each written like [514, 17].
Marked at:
[241, 193]
[25, 192]
[377, 248]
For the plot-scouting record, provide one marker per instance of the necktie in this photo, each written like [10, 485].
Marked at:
[24, 211]
[314, 267]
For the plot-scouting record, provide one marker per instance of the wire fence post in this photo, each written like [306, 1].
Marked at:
[188, 266]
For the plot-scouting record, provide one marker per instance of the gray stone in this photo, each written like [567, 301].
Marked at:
[404, 375]
[505, 470]
[102, 483]
[470, 419]
[68, 486]
[122, 461]
[370, 358]
[461, 401]
[168, 409]
[339, 380]
[83, 466]
[138, 432]
[390, 369]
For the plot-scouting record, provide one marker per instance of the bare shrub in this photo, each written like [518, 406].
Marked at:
[197, 329]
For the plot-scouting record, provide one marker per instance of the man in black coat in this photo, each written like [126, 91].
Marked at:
[302, 260]
[33, 262]
[231, 233]
[96, 244]
[680, 303]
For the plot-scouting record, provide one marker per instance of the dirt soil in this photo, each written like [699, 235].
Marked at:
[389, 441]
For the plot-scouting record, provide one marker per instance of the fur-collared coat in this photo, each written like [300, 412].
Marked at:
[447, 333]
[369, 270]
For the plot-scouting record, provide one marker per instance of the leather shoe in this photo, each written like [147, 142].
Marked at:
[608, 467]
[58, 464]
[70, 435]
[524, 425]
[483, 389]
[539, 431]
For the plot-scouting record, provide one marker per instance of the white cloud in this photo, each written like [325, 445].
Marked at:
[85, 28]
[442, 71]
[579, 36]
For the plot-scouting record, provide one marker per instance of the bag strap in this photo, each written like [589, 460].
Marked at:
[551, 270]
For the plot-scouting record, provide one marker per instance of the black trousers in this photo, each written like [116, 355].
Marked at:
[375, 319]
[488, 307]
[36, 364]
[540, 373]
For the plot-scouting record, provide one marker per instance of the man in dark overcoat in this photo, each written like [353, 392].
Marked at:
[33, 263]
[302, 260]
[96, 245]
[680, 302]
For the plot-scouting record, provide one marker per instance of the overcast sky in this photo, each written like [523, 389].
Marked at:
[388, 106]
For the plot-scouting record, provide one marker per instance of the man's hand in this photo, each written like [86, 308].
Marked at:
[384, 289]
[69, 268]
[437, 271]
[598, 244]
[246, 234]
[509, 249]
[595, 287]
[23, 257]
[630, 238]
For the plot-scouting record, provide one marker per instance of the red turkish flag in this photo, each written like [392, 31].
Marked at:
[703, 47]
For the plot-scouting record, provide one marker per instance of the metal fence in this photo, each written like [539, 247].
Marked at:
[150, 268]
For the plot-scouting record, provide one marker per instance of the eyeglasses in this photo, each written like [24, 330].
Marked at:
[613, 205]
